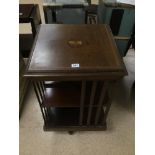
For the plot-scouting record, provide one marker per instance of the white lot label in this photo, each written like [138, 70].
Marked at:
[75, 65]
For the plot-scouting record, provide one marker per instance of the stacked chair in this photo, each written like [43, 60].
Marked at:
[121, 19]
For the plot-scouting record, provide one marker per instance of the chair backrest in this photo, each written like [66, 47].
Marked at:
[71, 15]
[48, 14]
[121, 19]
[67, 14]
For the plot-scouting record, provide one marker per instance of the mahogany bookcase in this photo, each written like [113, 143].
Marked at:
[71, 67]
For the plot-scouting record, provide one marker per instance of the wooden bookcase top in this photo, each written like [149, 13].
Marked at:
[74, 49]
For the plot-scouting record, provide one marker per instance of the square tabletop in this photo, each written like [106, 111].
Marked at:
[62, 48]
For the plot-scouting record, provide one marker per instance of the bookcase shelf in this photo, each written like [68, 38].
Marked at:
[67, 94]
[61, 106]
[68, 118]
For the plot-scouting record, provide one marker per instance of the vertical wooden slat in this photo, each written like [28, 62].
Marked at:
[36, 92]
[43, 86]
[83, 91]
[46, 112]
[42, 89]
[93, 90]
[40, 93]
[102, 95]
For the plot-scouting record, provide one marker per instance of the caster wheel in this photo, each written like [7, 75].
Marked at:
[71, 132]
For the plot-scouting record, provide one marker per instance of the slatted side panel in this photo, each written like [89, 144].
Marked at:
[39, 89]
[95, 112]
[101, 102]
[93, 104]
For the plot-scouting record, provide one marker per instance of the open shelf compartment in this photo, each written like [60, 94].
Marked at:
[73, 105]
[68, 94]
[68, 118]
